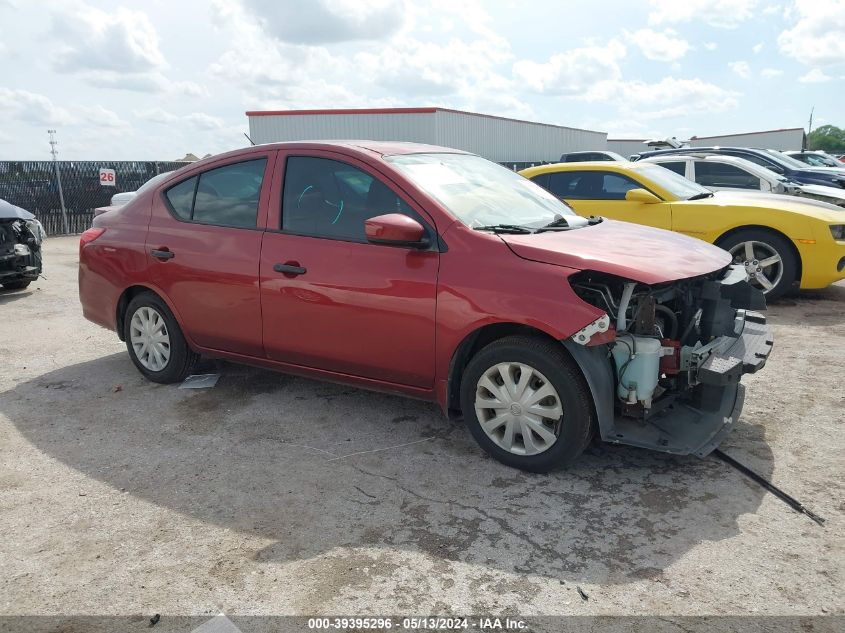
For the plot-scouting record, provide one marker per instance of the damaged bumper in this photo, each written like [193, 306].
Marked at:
[715, 370]
[699, 397]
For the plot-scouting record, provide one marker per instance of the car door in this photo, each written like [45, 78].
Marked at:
[331, 300]
[598, 192]
[203, 242]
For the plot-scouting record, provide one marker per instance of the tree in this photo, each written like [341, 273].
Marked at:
[828, 138]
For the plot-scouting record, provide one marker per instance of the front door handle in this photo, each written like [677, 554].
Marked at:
[162, 253]
[291, 268]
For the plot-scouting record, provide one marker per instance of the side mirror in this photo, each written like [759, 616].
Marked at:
[641, 195]
[395, 229]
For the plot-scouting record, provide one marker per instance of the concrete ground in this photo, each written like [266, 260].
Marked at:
[264, 494]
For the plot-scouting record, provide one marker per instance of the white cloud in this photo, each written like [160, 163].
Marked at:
[670, 97]
[99, 117]
[121, 40]
[757, 48]
[772, 9]
[816, 39]
[204, 121]
[457, 69]
[574, 72]
[116, 49]
[156, 115]
[154, 82]
[727, 14]
[771, 72]
[324, 21]
[657, 46]
[711, 46]
[740, 68]
[815, 76]
[32, 108]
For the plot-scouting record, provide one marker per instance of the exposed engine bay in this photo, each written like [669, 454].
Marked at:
[675, 353]
[20, 251]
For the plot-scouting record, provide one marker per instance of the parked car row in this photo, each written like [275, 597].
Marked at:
[773, 160]
[721, 172]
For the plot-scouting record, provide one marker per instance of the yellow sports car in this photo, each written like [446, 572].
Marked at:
[782, 241]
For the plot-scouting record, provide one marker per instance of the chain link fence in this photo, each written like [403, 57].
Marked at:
[32, 185]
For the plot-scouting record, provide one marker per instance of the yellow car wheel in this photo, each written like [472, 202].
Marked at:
[768, 259]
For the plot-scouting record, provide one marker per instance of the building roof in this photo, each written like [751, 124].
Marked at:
[785, 129]
[423, 110]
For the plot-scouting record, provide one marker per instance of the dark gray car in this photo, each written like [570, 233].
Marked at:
[21, 237]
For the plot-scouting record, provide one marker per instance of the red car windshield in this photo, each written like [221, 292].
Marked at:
[479, 192]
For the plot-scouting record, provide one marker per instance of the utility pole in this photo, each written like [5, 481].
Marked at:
[810, 127]
[54, 152]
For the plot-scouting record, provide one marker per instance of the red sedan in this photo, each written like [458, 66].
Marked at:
[436, 274]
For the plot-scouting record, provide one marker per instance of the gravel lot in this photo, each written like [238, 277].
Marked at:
[118, 496]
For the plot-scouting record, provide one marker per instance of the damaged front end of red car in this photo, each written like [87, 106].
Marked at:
[665, 362]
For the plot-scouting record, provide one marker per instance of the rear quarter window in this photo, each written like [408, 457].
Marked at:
[181, 198]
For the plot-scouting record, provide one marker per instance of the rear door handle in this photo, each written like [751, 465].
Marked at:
[290, 269]
[162, 253]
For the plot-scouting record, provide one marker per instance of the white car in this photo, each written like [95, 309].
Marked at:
[120, 199]
[718, 172]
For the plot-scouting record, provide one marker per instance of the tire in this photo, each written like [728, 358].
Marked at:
[180, 358]
[17, 285]
[551, 365]
[780, 276]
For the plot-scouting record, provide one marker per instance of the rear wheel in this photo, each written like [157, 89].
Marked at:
[17, 285]
[527, 404]
[768, 259]
[155, 342]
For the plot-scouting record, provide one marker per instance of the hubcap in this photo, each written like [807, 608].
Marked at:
[149, 338]
[518, 408]
[762, 263]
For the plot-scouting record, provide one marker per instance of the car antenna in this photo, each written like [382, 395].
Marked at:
[791, 501]
[249, 139]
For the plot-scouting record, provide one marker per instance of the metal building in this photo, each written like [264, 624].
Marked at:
[627, 146]
[785, 139]
[500, 139]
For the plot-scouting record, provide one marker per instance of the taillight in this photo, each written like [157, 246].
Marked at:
[89, 236]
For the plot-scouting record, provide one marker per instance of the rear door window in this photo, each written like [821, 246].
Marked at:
[228, 196]
[714, 174]
[679, 167]
[225, 196]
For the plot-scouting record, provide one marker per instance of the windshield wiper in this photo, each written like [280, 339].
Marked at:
[505, 228]
[701, 196]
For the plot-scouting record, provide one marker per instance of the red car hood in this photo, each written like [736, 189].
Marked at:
[638, 253]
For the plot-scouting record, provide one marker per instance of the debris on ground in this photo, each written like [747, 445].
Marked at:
[582, 593]
[200, 381]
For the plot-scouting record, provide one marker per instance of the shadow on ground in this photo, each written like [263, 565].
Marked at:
[286, 458]
[809, 307]
[7, 296]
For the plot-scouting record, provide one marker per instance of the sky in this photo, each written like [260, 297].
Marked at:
[157, 79]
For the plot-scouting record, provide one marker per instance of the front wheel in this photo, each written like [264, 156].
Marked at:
[155, 343]
[768, 259]
[527, 403]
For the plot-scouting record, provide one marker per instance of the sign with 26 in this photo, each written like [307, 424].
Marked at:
[107, 177]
